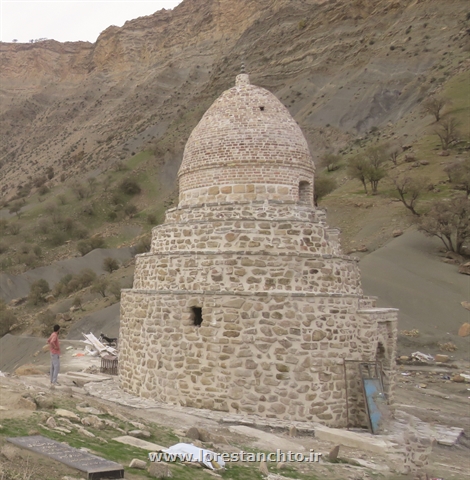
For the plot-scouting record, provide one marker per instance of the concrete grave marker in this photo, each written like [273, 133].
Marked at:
[95, 467]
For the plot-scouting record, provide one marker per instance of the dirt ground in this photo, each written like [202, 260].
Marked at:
[437, 401]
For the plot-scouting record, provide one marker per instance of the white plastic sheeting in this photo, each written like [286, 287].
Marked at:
[190, 453]
[98, 346]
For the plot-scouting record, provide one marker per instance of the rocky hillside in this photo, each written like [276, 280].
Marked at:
[341, 67]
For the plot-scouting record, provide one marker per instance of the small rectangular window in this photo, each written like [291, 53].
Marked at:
[197, 316]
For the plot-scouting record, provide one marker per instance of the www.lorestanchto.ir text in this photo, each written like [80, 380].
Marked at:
[205, 456]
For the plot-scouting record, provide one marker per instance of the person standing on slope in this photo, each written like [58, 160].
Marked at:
[54, 348]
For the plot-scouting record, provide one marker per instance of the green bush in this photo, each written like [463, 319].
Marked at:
[39, 289]
[77, 302]
[152, 219]
[57, 238]
[110, 264]
[129, 186]
[29, 259]
[61, 286]
[39, 181]
[84, 247]
[86, 277]
[16, 208]
[71, 283]
[80, 232]
[44, 226]
[43, 190]
[115, 290]
[323, 186]
[7, 319]
[118, 199]
[97, 242]
[100, 286]
[88, 209]
[47, 320]
[143, 245]
[68, 224]
[130, 210]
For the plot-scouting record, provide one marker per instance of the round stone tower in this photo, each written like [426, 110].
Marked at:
[245, 302]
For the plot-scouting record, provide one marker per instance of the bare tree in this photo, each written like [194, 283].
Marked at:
[376, 157]
[447, 132]
[409, 190]
[106, 183]
[100, 286]
[357, 168]
[16, 208]
[393, 152]
[459, 175]
[449, 221]
[434, 106]
[80, 190]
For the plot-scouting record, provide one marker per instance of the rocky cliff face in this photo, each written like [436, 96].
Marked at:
[341, 67]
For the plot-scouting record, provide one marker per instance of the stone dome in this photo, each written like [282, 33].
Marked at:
[246, 147]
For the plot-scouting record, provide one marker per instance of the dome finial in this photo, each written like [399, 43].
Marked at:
[243, 78]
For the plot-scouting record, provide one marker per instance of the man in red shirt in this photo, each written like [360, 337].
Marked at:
[54, 347]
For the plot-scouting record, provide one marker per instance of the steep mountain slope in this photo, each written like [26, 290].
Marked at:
[341, 67]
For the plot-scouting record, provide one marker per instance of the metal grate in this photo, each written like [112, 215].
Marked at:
[109, 364]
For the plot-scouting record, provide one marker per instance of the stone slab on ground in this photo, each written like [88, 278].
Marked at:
[361, 441]
[444, 435]
[448, 436]
[266, 439]
[95, 467]
[90, 377]
[112, 392]
[137, 442]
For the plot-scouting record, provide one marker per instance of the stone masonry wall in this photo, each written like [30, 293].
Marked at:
[380, 329]
[256, 210]
[274, 355]
[230, 272]
[235, 184]
[243, 235]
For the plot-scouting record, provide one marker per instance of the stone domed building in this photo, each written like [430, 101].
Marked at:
[245, 302]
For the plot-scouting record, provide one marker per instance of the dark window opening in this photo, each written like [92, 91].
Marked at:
[380, 354]
[305, 193]
[197, 316]
[262, 109]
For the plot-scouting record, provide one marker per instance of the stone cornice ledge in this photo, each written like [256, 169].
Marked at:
[377, 310]
[292, 253]
[246, 294]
